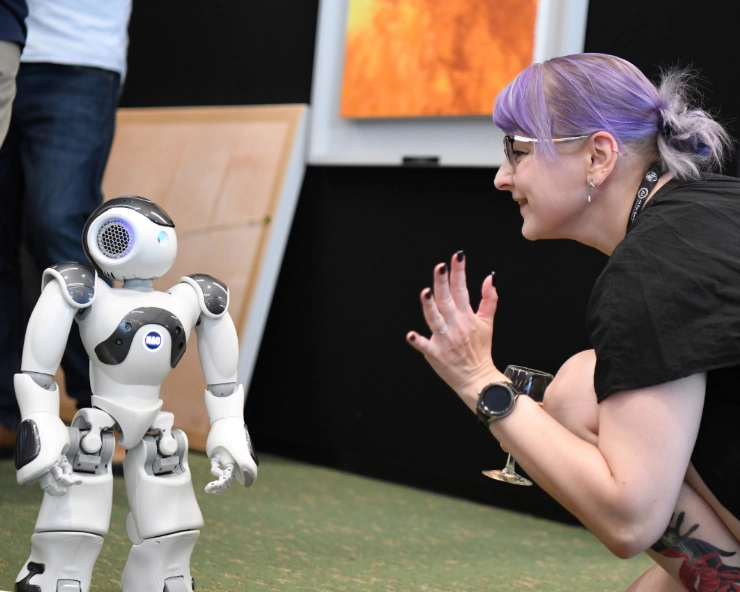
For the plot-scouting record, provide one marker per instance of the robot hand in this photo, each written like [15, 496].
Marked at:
[231, 454]
[60, 478]
[43, 442]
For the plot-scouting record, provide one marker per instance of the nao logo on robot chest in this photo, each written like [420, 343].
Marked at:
[153, 341]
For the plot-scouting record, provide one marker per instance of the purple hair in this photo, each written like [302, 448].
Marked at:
[586, 93]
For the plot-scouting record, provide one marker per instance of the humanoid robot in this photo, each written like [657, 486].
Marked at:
[134, 336]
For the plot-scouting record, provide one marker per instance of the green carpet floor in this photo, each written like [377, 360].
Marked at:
[302, 527]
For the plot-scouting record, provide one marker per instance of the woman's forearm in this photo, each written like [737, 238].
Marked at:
[579, 477]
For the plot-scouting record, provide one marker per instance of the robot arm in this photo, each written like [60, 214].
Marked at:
[228, 446]
[43, 439]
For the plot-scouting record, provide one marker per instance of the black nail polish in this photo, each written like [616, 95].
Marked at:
[493, 279]
[429, 293]
[412, 337]
[460, 256]
[443, 269]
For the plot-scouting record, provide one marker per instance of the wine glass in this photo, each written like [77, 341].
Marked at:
[533, 384]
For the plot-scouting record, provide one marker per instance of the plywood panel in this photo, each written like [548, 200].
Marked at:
[220, 173]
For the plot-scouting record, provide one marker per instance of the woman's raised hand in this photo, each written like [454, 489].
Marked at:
[459, 349]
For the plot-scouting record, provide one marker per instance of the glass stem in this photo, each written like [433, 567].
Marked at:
[510, 465]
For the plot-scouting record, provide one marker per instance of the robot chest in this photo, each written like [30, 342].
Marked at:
[145, 335]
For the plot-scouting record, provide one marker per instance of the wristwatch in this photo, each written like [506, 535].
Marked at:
[496, 401]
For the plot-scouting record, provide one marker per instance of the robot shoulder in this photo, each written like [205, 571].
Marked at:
[77, 281]
[213, 295]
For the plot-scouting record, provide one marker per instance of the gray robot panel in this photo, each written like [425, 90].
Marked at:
[143, 206]
[115, 348]
[78, 279]
[27, 444]
[215, 293]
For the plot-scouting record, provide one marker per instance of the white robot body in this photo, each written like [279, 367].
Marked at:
[134, 337]
[52, 315]
[71, 570]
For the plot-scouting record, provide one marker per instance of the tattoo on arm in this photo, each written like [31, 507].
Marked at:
[702, 567]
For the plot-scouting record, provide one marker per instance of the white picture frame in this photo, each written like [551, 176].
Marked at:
[560, 29]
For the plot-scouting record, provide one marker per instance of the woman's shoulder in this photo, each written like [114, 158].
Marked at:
[685, 217]
[668, 300]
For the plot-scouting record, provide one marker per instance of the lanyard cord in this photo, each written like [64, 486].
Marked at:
[648, 183]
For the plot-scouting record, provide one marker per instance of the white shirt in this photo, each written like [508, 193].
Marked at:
[79, 33]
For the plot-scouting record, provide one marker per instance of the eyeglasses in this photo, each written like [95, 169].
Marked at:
[509, 145]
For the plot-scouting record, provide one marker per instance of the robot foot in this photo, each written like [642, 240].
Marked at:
[160, 564]
[59, 562]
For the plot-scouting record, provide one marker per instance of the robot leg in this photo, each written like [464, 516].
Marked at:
[59, 561]
[165, 519]
[69, 531]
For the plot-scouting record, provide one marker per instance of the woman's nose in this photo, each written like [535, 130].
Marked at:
[504, 177]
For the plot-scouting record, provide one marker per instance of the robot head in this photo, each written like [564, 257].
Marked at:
[130, 237]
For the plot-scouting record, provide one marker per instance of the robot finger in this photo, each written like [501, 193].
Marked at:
[68, 481]
[224, 481]
[216, 469]
[62, 474]
[64, 463]
[214, 487]
[56, 471]
[229, 474]
[50, 485]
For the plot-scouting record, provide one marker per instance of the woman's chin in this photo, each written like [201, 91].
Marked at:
[529, 232]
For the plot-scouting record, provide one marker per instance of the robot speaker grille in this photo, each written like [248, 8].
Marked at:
[114, 239]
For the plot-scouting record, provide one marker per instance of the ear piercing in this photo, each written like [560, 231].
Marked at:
[590, 188]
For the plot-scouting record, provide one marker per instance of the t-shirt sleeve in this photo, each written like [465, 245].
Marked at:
[668, 302]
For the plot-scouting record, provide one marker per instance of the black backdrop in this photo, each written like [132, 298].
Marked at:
[335, 382]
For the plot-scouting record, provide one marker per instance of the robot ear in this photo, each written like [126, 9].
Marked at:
[115, 239]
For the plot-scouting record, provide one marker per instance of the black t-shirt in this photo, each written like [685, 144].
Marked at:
[667, 306]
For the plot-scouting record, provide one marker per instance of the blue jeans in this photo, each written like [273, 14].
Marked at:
[51, 170]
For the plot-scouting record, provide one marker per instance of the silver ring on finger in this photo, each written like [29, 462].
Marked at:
[441, 330]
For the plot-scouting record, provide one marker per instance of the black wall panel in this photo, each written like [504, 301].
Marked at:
[220, 52]
[335, 382]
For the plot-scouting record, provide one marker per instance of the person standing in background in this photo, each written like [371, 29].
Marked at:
[52, 163]
[12, 37]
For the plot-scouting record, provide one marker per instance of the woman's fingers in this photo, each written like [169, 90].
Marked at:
[432, 316]
[458, 285]
[442, 295]
[489, 299]
[420, 343]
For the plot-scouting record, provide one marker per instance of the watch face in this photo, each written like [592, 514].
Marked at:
[497, 399]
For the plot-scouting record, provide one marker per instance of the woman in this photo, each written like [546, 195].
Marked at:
[648, 419]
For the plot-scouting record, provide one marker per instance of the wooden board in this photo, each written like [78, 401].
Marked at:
[229, 178]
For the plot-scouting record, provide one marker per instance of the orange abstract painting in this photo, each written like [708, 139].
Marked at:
[411, 58]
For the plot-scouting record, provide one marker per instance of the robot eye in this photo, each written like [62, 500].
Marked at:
[115, 239]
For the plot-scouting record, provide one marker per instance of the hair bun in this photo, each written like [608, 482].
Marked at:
[664, 126]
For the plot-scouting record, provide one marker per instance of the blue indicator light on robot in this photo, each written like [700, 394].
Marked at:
[163, 238]
[153, 340]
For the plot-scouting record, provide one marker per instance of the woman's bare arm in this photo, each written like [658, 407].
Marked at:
[624, 487]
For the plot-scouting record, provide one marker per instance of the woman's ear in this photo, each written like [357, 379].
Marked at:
[604, 153]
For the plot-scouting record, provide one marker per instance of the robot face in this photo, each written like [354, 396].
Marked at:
[130, 238]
